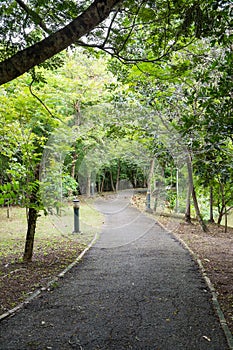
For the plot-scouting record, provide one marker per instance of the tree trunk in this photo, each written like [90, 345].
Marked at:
[193, 192]
[32, 218]
[112, 183]
[222, 207]
[225, 228]
[220, 216]
[33, 55]
[223, 210]
[77, 122]
[188, 206]
[73, 164]
[8, 210]
[177, 190]
[88, 190]
[28, 250]
[102, 184]
[211, 205]
[151, 172]
[98, 185]
[118, 175]
[150, 175]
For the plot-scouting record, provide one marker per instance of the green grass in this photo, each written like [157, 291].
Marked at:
[50, 229]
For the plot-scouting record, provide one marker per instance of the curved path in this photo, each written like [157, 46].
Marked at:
[137, 288]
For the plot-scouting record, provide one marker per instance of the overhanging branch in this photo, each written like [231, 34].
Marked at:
[24, 60]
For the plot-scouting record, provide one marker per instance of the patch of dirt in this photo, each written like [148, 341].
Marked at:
[215, 250]
[19, 280]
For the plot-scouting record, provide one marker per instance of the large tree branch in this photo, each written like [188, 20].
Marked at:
[24, 60]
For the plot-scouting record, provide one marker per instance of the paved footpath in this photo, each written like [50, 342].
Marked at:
[137, 288]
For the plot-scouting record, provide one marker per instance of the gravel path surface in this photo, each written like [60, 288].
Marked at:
[137, 288]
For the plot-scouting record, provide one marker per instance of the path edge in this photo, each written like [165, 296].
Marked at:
[209, 284]
[18, 307]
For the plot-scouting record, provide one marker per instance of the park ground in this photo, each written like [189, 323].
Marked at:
[54, 253]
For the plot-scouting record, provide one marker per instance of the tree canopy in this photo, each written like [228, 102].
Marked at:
[157, 114]
[32, 31]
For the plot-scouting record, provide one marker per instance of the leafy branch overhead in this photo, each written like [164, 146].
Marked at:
[146, 31]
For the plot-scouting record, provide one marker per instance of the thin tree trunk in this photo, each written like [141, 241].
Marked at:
[73, 164]
[177, 190]
[112, 183]
[118, 175]
[32, 218]
[188, 206]
[8, 210]
[28, 250]
[220, 216]
[88, 190]
[151, 172]
[193, 192]
[222, 208]
[98, 185]
[102, 184]
[211, 205]
[225, 229]
[77, 122]
[150, 175]
[156, 196]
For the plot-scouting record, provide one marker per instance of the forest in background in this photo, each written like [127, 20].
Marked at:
[144, 100]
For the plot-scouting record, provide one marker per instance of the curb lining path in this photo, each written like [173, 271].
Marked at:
[18, 307]
[209, 284]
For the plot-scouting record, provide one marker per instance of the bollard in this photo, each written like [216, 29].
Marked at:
[76, 205]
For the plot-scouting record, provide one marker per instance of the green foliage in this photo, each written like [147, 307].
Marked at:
[9, 193]
[70, 186]
[181, 100]
[149, 31]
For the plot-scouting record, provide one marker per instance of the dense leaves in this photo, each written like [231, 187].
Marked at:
[165, 102]
[147, 31]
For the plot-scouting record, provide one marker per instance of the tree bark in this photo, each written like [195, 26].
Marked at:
[77, 122]
[32, 218]
[177, 190]
[24, 60]
[211, 205]
[188, 206]
[111, 180]
[73, 164]
[150, 175]
[28, 250]
[88, 191]
[221, 208]
[225, 223]
[193, 192]
[102, 183]
[118, 175]
[151, 172]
